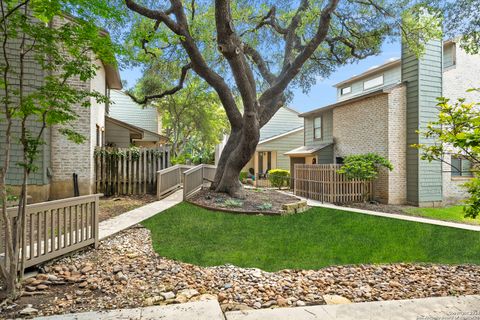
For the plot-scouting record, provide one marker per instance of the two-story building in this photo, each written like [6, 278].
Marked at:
[129, 123]
[59, 158]
[382, 109]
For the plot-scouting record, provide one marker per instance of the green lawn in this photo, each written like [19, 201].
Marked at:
[317, 238]
[454, 213]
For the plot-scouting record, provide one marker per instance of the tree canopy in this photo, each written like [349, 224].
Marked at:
[258, 51]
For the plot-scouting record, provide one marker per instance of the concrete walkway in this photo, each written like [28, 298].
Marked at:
[459, 308]
[315, 203]
[204, 310]
[126, 220]
[466, 307]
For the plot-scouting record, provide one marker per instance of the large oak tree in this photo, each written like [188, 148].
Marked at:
[260, 50]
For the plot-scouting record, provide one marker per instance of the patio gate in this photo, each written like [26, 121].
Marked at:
[322, 182]
[127, 171]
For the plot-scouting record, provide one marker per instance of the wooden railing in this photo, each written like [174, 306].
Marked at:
[126, 171]
[322, 182]
[170, 179]
[195, 178]
[55, 228]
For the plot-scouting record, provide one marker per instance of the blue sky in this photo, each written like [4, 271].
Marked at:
[321, 94]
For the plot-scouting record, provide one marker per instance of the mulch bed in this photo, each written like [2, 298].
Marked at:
[113, 206]
[257, 201]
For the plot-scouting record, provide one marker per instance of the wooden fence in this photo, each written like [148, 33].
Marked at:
[195, 178]
[170, 179]
[129, 171]
[322, 182]
[55, 228]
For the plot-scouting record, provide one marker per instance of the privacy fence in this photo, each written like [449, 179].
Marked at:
[55, 228]
[323, 182]
[128, 171]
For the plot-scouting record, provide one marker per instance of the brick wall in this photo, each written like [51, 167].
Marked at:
[68, 157]
[361, 127]
[397, 145]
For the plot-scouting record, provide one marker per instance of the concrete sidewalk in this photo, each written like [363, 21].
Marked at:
[131, 218]
[315, 203]
[458, 308]
[443, 308]
[204, 310]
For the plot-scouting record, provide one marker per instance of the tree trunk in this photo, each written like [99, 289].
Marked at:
[238, 151]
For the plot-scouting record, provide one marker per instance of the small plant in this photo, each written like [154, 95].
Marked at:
[364, 167]
[265, 206]
[243, 176]
[279, 178]
[233, 203]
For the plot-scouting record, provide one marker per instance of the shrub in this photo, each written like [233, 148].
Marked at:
[279, 178]
[265, 206]
[364, 167]
[232, 203]
[243, 176]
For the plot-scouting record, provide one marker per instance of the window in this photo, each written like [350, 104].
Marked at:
[339, 160]
[345, 90]
[317, 128]
[375, 82]
[461, 167]
[449, 55]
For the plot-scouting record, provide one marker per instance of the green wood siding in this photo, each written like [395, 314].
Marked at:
[283, 121]
[390, 76]
[325, 156]
[424, 84]
[327, 129]
[282, 145]
[123, 108]
[34, 76]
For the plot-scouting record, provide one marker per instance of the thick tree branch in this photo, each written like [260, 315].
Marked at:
[200, 66]
[294, 68]
[268, 20]
[159, 15]
[260, 63]
[230, 45]
[168, 92]
[291, 37]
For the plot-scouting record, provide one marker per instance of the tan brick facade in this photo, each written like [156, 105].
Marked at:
[376, 124]
[359, 128]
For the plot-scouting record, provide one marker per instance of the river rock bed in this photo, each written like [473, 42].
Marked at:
[125, 272]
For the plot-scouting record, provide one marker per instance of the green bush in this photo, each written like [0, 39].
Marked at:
[243, 176]
[279, 178]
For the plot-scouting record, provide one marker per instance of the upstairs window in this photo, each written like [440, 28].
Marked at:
[372, 83]
[345, 90]
[317, 128]
[449, 56]
[461, 167]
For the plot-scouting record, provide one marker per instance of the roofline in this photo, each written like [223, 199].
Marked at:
[384, 90]
[291, 109]
[125, 125]
[315, 149]
[281, 135]
[112, 73]
[134, 128]
[386, 65]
